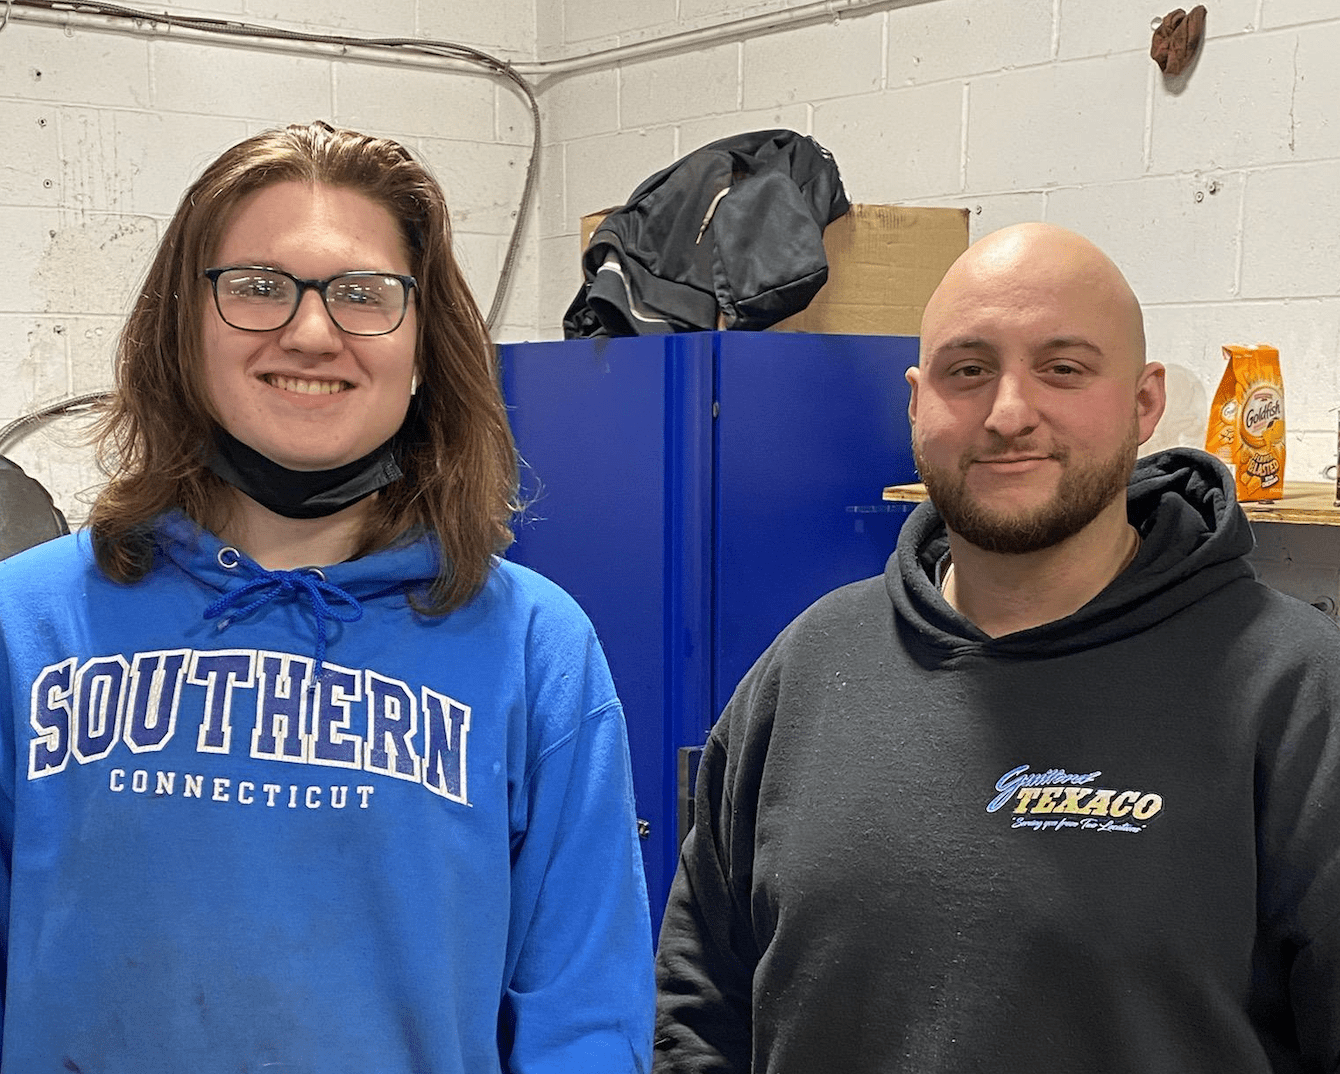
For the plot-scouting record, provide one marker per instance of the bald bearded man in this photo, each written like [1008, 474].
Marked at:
[1062, 787]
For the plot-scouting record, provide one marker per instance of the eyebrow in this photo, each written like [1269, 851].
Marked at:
[1064, 343]
[979, 345]
[964, 343]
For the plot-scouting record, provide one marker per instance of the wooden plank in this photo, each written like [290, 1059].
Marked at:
[914, 493]
[1308, 502]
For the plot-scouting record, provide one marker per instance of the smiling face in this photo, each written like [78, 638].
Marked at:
[310, 396]
[1032, 392]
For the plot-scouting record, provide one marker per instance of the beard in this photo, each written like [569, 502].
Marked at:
[1081, 494]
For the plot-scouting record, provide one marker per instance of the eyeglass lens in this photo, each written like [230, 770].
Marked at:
[365, 304]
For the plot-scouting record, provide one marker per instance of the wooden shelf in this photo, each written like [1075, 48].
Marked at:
[1308, 502]
[906, 493]
[1311, 502]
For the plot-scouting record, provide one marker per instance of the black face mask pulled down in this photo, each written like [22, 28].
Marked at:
[301, 493]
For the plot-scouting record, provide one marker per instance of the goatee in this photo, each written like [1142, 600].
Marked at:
[1084, 490]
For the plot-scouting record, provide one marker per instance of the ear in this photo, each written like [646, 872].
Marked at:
[1151, 396]
[913, 375]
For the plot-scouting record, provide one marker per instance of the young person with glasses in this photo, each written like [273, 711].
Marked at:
[298, 775]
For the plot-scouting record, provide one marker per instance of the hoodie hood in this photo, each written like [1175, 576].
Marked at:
[1194, 538]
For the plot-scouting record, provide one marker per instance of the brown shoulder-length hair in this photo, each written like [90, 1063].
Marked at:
[456, 447]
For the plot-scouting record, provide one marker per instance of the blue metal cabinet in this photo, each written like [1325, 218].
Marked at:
[695, 493]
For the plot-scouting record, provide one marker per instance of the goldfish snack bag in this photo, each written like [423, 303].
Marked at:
[1246, 427]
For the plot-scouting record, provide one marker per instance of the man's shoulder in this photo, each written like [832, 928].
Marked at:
[848, 604]
[843, 620]
[1250, 623]
[1254, 604]
[1275, 613]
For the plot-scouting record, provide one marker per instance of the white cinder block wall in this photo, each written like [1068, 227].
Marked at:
[104, 131]
[1217, 192]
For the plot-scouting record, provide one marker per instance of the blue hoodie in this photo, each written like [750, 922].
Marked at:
[280, 822]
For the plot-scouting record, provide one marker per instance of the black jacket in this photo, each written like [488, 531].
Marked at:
[736, 226]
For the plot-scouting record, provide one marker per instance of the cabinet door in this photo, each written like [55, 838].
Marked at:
[810, 429]
[616, 438]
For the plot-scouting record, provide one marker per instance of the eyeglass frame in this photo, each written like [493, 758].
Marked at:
[409, 283]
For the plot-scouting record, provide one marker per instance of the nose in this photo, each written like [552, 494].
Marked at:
[1013, 410]
[311, 328]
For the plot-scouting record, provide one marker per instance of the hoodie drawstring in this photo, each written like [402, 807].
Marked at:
[306, 581]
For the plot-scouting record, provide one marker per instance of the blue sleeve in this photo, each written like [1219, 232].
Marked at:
[580, 995]
[7, 778]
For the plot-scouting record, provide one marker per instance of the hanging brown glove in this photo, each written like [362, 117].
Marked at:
[1177, 39]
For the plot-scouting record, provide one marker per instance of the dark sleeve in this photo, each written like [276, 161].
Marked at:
[708, 946]
[1298, 841]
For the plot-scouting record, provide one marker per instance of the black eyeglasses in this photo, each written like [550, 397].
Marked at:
[258, 299]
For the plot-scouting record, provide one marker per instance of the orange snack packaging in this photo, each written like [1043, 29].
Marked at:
[1246, 427]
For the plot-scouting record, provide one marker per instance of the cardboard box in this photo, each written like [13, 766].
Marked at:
[591, 221]
[883, 263]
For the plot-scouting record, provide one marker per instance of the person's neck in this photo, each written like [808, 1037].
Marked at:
[282, 544]
[1003, 594]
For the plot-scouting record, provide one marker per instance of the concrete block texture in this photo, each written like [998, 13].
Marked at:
[895, 145]
[587, 20]
[694, 133]
[505, 28]
[551, 206]
[1174, 239]
[1233, 110]
[69, 263]
[957, 38]
[240, 82]
[1102, 27]
[1293, 12]
[1080, 122]
[92, 343]
[799, 66]
[480, 258]
[475, 206]
[560, 275]
[578, 106]
[701, 9]
[601, 172]
[42, 63]
[1289, 232]
[993, 211]
[670, 88]
[137, 162]
[30, 170]
[336, 16]
[548, 29]
[515, 122]
[438, 104]
[1315, 111]
[34, 365]
[519, 312]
